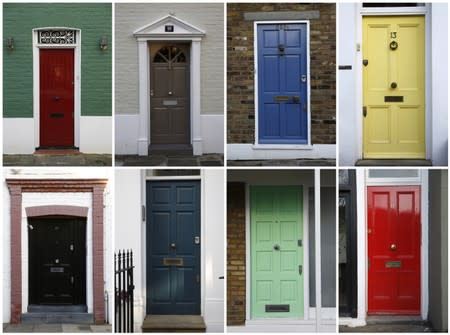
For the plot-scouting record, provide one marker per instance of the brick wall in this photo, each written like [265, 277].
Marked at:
[235, 254]
[240, 71]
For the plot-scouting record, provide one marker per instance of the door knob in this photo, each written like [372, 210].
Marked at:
[393, 246]
[57, 98]
[170, 93]
[393, 84]
[276, 247]
[173, 245]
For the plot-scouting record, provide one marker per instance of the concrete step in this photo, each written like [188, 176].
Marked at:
[393, 162]
[173, 324]
[394, 320]
[57, 317]
[57, 308]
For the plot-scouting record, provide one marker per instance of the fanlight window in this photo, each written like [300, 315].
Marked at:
[170, 54]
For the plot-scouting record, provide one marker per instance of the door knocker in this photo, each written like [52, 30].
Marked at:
[393, 45]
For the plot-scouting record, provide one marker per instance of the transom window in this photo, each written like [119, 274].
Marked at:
[170, 54]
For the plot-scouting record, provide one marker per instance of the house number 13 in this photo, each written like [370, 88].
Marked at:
[393, 34]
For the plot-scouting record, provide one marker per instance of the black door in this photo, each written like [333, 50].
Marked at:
[57, 261]
[347, 244]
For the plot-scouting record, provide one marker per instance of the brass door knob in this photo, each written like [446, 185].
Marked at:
[393, 246]
[393, 84]
[173, 245]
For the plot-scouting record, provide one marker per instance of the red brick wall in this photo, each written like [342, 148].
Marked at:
[57, 210]
[240, 71]
[235, 254]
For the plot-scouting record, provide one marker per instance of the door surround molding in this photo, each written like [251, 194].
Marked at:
[392, 11]
[36, 79]
[257, 145]
[156, 32]
[16, 189]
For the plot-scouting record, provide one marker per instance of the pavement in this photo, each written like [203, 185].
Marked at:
[175, 158]
[391, 324]
[78, 159]
[284, 162]
[56, 328]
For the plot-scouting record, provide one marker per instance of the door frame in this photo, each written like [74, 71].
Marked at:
[77, 80]
[422, 181]
[392, 11]
[306, 309]
[155, 32]
[202, 232]
[257, 145]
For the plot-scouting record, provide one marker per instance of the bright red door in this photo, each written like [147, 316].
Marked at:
[56, 73]
[394, 250]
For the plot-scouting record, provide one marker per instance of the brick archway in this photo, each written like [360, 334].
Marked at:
[16, 188]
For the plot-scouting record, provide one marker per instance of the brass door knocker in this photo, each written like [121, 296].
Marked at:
[393, 45]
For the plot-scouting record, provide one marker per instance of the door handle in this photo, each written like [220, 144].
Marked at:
[393, 84]
[364, 111]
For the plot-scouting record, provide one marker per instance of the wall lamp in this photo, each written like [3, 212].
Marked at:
[103, 43]
[10, 43]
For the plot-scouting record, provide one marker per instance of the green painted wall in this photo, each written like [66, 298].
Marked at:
[94, 20]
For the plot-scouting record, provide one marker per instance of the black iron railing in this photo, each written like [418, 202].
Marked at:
[124, 287]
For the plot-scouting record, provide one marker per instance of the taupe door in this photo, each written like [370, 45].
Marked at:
[169, 90]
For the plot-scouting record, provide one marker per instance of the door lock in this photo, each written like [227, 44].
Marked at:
[303, 78]
[300, 269]
[393, 84]
[197, 239]
[276, 247]
[152, 93]
[296, 98]
[281, 49]
[173, 245]
[364, 111]
[72, 280]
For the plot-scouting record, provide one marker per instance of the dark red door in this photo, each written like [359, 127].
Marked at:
[56, 73]
[394, 250]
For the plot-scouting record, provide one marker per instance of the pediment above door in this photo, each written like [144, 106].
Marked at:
[169, 25]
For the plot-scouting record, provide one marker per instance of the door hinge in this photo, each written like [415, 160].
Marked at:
[300, 243]
[364, 111]
[300, 269]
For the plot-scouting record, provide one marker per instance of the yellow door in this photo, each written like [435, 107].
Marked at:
[394, 86]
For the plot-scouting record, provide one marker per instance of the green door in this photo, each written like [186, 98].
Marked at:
[276, 236]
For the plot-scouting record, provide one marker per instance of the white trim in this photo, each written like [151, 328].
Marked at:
[36, 81]
[174, 178]
[393, 180]
[246, 151]
[152, 33]
[306, 298]
[424, 246]
[393, 11]
[255, 55]
[317, 247]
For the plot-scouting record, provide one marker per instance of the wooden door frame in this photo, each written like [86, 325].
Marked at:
[421, 181]
[77, 80]
[257, 145]
[305, 219]
[199, 178]
[392, 11]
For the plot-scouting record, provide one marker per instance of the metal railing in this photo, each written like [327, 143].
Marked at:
[124, 287]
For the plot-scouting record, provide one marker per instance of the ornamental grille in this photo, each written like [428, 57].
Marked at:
[56, 37]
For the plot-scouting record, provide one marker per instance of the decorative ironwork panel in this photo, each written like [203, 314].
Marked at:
[57, 36]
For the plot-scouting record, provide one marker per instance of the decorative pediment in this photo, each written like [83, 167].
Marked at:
[169, 26]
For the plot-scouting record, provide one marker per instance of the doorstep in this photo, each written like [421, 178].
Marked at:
[173, 323]
[393, 162]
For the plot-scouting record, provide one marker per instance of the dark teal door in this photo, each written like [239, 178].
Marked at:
[282, 84]
[173, 247]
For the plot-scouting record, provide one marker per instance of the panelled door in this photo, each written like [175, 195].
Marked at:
[173, 247]
[276, 249]
[169, 94]
[57, 256]
[394, 86]
[282, 83]
[394, 242]
[56, 99]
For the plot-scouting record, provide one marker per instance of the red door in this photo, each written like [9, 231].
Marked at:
[394, 250]
[56, 73]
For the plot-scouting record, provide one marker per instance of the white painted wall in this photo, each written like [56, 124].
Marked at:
[350, 92]
[18, 136]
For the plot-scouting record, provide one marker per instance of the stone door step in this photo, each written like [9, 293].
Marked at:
[393, 162]
[173, 324]
[57, 317]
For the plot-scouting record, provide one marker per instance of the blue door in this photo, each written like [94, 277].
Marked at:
[173, 247]
[282, 84]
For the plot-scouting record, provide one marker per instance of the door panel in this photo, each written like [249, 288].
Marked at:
[170, 90]
[57, 250]
[394, 129]
[173, 235]
[56, 76]
[282, 96]
[394, 250]
[276, 227]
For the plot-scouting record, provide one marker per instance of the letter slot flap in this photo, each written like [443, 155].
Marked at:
[393, 264]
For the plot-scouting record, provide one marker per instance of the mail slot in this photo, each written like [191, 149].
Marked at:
[393, 264]
[173, 261]
[277, 308]
[170, 102]
[281, 98]
[393, 98]
[57, 269]
[57, 115]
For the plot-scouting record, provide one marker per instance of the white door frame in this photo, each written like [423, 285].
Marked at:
[257, 145]
[392, 11]
[36, 80]
[156, 32]
[422, 181]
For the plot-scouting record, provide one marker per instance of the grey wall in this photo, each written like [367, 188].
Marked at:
[438, 253]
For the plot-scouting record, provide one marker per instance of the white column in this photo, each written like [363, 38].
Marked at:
[318, 258]
[195, 98]
[144, 120]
